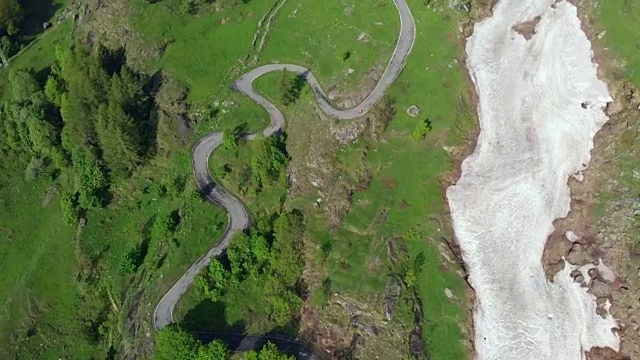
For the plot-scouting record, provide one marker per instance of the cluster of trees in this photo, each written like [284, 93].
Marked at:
[11, 14]
[267, 167]
[173, 343]
[268, 162]
[260, 272]
[93, 116]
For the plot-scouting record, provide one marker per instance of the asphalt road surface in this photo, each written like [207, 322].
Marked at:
[238, 215]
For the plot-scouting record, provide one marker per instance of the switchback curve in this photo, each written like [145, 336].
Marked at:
[238, 215]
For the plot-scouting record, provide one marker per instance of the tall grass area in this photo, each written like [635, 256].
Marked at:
[621, 20]
[37, 257]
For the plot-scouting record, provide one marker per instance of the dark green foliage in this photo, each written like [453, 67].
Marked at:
[230, 138]
[120, 135]
[133, 258]
[10, 14]
[268, 162]
[346, 55]
[105, 108]
[215, 350]
[290, 87]
[165, 224]
[256, 268]
[34, 168]
[86, 85]
[69, 207]
[94, 182]
[268, 352]
[173, 343]
[30, 123]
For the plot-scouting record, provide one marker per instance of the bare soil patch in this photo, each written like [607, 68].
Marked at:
[527, 28]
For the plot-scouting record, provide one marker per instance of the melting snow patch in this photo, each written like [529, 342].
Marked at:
[540, 105]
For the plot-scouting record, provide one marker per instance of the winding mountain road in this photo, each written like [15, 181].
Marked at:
[238, 215]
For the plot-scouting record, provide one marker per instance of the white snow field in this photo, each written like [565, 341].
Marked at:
[540, 105]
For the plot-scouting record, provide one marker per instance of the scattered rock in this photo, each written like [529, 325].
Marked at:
[378, 24]
[224, 21]
[82, 222]
[601, 34]
[363, 37]
[346, 134]
[578, 255]
[413, 111]
[417, 345]
[600, 288]
[391, 295]
[372, 330]
[594, 273]
[349, 103]
[350, 71]
[355, 341]
[448, 292]
[571, 236]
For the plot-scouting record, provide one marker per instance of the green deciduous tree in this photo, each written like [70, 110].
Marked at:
[421, 130]
[164, 225]
[215, 350]
[54, 90]
[290, 87]
[230, 138]
[269, 161]
[34, 126]
[268, 352]
[173, 343]
[93, 180]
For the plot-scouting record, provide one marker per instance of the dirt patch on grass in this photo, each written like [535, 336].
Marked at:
[49, 194]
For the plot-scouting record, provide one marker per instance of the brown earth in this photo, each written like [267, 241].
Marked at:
[527, 28]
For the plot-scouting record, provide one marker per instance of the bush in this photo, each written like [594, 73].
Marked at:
[230, 138]
[69, 207]
[290, 87]
[59, 157]
[165, 225]
[421, 130]
[34, 168]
